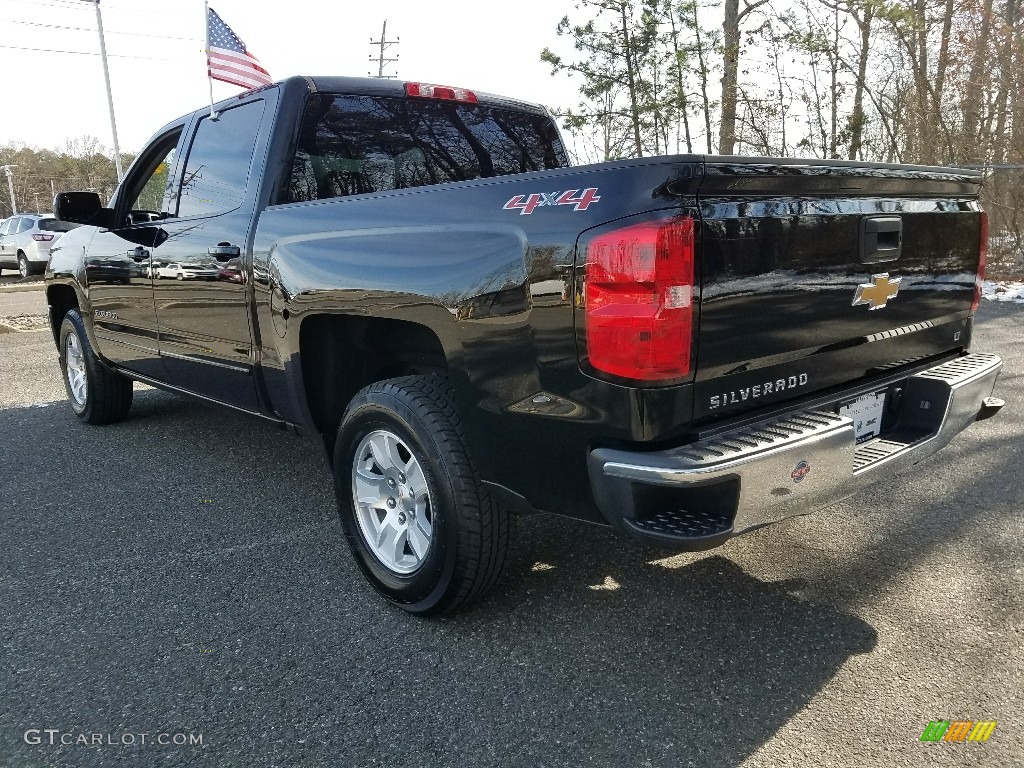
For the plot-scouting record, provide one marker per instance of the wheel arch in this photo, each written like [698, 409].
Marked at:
[61, 297]
[342, 353]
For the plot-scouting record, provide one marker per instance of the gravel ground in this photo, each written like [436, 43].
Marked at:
[184, 572]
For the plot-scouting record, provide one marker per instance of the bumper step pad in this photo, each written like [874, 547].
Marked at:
[673, 525]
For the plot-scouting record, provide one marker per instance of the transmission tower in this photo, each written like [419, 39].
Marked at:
[381, 56]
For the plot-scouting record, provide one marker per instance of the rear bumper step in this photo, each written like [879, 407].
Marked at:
[698, 495]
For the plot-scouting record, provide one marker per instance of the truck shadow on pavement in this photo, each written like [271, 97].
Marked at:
[659, 663]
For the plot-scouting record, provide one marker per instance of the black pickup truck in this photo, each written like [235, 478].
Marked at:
[683, 348]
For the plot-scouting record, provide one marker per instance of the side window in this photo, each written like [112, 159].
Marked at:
[151, 196]
[147, 186]
[24, 225]
[344, 147]
[219, 161]
[3, 227]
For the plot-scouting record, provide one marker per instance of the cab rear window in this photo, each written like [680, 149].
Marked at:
[55, 225]
[350, 145]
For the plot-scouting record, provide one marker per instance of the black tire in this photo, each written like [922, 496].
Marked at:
[471, 535]
[108, 394]
[24, 268]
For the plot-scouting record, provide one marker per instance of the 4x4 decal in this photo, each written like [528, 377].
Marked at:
[526, 204]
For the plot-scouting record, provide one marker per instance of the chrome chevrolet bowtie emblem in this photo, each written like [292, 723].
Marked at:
[876, 293]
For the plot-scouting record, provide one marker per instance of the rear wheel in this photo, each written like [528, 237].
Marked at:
[423, 529]
[23, 266]
[98, 395]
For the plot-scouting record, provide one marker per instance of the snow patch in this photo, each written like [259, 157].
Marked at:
[1003, 290]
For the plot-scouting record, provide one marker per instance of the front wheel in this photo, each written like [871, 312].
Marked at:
[423, 529]
[98, 395]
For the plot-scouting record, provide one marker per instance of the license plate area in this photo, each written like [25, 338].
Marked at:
[866, 412]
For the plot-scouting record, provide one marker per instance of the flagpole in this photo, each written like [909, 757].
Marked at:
[206, 23]
[110, 95]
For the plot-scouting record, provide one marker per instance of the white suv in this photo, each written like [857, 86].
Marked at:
[26, 239]
[186, 271]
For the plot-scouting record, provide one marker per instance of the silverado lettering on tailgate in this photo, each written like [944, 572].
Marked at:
[738, 396]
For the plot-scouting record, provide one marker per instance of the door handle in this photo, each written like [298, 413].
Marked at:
[881, 239]
[224, 251]
[138, 254]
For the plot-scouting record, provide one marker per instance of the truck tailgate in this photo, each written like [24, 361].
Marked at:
[819, 274]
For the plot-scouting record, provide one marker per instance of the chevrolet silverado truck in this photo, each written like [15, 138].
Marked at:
[681, 348]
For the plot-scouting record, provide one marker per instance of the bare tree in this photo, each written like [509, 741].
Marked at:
[616, 44]
[733, 18]
[862, 13]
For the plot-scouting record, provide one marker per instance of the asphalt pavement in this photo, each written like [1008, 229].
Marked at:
[183, 575]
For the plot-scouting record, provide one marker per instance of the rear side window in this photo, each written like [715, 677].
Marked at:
[56, 225]
[24, 225]
[217, 170]
[349, 145]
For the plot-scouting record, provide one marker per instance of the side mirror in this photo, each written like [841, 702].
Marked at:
[82, 208]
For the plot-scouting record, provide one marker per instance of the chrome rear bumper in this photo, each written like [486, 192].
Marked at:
[698, 495]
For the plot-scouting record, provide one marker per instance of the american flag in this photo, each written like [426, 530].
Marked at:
[228, 60]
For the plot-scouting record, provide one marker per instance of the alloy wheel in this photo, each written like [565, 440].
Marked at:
[392, 501]
[78, 382]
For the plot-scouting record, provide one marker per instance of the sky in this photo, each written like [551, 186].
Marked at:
[158, 68]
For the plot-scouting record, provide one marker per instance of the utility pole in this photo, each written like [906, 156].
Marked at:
[110, 95]
[10, 185]
[383, 44]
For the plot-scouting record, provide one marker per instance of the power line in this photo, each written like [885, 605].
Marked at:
[90, 53]
[161, 13]
[109, 31]
[49, 4]
[76, 4]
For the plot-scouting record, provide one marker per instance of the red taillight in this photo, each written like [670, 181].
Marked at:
[428, 91]
[639, 300]
[982, 262]
[42, 238]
